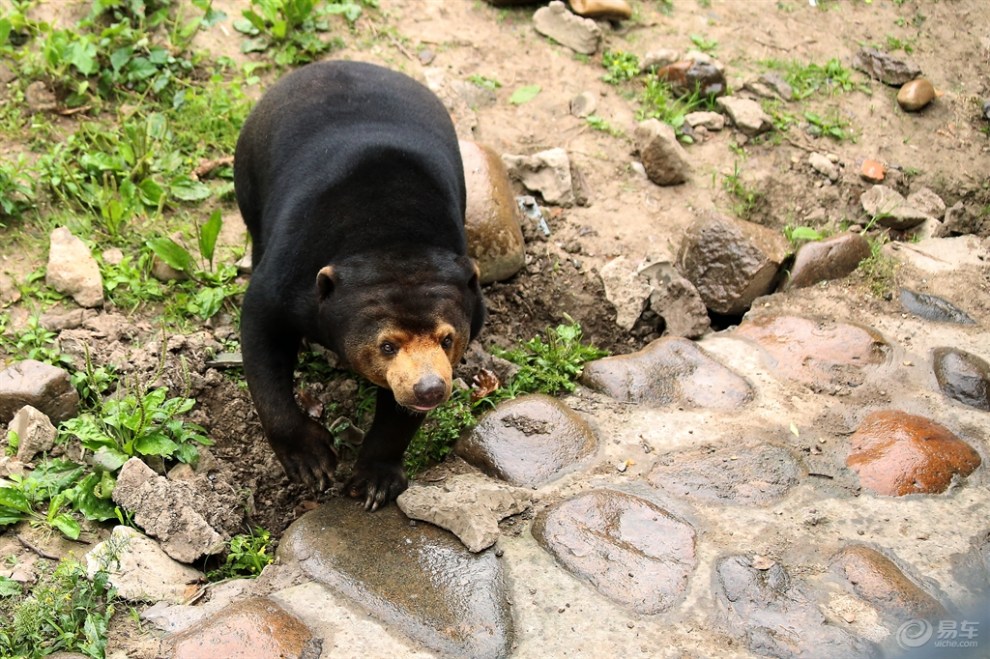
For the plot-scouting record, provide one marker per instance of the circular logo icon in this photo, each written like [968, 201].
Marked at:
[914, 633]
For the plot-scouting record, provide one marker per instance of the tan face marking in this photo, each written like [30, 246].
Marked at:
[399, 360]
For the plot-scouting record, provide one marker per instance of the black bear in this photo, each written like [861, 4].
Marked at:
[350, 181]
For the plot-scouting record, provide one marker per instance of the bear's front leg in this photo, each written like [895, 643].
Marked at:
[303, 446]
[378, 474]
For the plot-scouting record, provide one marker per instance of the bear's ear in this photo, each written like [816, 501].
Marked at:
[476, 301]
[326, 280]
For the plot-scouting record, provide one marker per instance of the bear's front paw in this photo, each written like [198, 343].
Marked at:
[377, 482]
[307, 456]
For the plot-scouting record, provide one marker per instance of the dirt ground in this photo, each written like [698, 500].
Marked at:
[945, 148]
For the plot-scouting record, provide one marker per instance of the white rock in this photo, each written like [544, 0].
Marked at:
[469, 506]
[35, 432]
[709, 120]
[72, 270]
[745, 114]
[140, 570]
[626, 290]
[581, 35]
[547, 172]
[824, 166]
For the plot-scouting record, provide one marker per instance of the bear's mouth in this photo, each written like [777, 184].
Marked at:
[423, 408]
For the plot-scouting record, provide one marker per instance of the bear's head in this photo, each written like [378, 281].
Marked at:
[403, 321]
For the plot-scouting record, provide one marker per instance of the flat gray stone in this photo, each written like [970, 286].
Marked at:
[39, 385]
[582, 35]
[890, 208]
[624, 288]
[528, 441]
[418, 580]
[631, 550]
[140, 570]
[885, 67]
[747, 474]
[467, 505]
[776, 615]
[669, 371]
[933, 307]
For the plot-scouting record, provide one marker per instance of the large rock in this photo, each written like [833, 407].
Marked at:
[140, 570]
[896, 453]
[418, 580]
[731, 262]
[832, 258]
[747, 474]
[777, 615]
[170, 511]
[495, 241]
[663, 157]
[547, 172]
[823, 354]
[963, 376]
[528, 441]
[582, 35]
[669, 371]
[746, 115]
[72, 270]
[468, 506]
[40, 385]
[633, 551]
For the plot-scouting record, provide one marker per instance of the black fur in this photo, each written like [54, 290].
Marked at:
[355, 167]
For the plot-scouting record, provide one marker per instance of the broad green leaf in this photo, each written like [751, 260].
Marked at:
[524, 94]
[208, 235]
[172, 253]
[155, 443]
[4, 30]
[13, 500]
[67, 525]
[120, 57]
[9, 588]
[109, 458]
[186, 189]
[151, 192]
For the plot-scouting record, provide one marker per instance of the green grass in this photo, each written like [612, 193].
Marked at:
[65, 611]
[550, 364]
[746, 199]
[247, 555]
[810, 79]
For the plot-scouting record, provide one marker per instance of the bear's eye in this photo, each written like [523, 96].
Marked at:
[388, 348]
[447, 342]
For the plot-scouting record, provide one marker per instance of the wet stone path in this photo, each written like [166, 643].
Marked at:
[798, 486]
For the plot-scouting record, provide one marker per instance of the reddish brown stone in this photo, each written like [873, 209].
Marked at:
[251, 629]
[896, 453]
[814, 351]
[873, 171]
[876, 579]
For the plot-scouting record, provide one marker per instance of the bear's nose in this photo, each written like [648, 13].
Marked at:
[430, 391]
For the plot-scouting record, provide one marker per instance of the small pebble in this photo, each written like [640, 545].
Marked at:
[916, 95]
[873, 171]
[986, 110]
